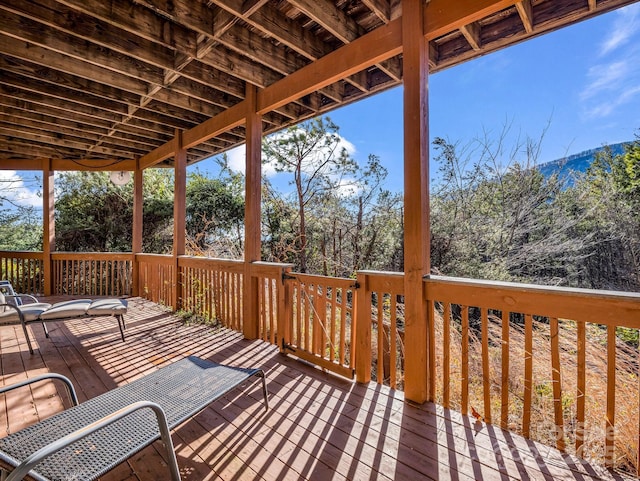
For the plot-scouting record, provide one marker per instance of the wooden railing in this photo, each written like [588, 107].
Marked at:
[157, 278]
[273, 297]
[92, 273]
[322, 313]
[381, 308]
[212, 289]
[523, 361]
[516, 355]
[25, 271]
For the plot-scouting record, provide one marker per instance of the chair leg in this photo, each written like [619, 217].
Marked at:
[46, 331]
[26, 335]
[264, 389]
[121, 325]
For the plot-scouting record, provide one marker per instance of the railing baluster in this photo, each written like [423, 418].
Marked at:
[352, 312]
[556, 372]
[431, 350]
[528, 374]
[393, 341]
[611, 396]
[486, 373]
[581, 387]
[380, 340]
[272, 311]
[446, 354]
[465, 360]
[504, 417]
[343, 326]
[299, 314]
[321, 314]
[333, 321]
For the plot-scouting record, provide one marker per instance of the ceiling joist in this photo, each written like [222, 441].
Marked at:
[92, 80]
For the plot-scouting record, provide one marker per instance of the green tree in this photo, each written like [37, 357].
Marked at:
[609, 193]
[313, 154]
[215, 214]
[20, 229]
[93, 214]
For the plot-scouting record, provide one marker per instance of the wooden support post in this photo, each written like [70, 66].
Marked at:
[363, 328]
[416, 200]
[48, 224]
[179, 217]
[136, 243]
[253, 186]
[285, 310]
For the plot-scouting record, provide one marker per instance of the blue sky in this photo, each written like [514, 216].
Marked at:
[581, 82]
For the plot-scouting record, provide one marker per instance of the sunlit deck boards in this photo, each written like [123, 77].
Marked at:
[319, 427]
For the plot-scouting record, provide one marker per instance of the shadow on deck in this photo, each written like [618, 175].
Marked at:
[319, 427]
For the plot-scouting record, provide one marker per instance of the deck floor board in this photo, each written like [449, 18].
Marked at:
[319, 427]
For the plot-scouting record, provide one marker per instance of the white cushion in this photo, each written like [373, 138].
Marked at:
[30, 312]
[66, 309]
[107, 307]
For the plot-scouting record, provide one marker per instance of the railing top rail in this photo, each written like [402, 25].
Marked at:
[196, 262]
[22, 254]
[269, 269]
[324, 280]
[150, 255]
[280, 265]
[381, 273]
[213, 259]
[586, 305]
[517, 286]
[123, 256]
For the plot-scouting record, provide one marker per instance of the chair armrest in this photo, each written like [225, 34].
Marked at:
[25, 466]
[20, 297]
[52, 375]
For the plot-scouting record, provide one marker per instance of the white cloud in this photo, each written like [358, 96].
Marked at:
[615, 82]
[236, 156]
[625, 26]
[237, 162]
[606, 108]
[605, 77]
[16, 191]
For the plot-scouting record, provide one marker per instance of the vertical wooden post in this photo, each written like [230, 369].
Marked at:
[48, 224]
[363, 328]
[136, 242]
[179, 217]
[285, 310]
[416, 199]
[253, 186]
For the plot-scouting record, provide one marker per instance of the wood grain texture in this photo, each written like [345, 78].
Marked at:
[319, 426]
[145, 68]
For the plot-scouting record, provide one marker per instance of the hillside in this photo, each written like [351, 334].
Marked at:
[567, 167]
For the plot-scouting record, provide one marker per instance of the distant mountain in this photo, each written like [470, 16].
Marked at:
[568, 167]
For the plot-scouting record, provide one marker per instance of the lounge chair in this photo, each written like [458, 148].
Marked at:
[26, 309]
[86, 441]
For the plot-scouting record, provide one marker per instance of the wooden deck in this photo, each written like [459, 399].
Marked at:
[319, 427]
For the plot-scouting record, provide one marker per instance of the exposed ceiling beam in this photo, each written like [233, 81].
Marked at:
[378, 45]
[444, 16]
[525, 10]
[381, 9]
[472, 33]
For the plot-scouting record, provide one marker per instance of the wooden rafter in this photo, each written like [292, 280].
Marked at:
[525, 10]
[472, 33]
[94, 79]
